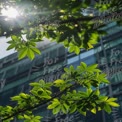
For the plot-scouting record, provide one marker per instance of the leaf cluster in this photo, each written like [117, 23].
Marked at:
[64, 22]
[24, 47]
[77, 90]
[60, 21]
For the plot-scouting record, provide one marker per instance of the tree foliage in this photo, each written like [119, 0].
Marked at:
[74, 93]
[64, 22]
[60, 21]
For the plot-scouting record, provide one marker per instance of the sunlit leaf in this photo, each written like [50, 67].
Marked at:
[22, 53]
[36, 50]
[94, 110]
[30, 54]
[113, 104]
[107, 108]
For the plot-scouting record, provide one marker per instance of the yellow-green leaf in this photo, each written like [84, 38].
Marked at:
[36, 50]
[111, 99]
[107, 108]
[11, 46]
[113, 104]
[30, 54]
[56, 110]
[94, 110]
[22, 53]
[73, 108]
[59, 81]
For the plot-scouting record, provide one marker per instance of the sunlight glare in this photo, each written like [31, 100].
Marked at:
[10, 12]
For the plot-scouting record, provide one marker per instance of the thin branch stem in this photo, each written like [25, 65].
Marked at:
[40, 104]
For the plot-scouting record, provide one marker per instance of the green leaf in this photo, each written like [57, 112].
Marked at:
[22, 53]
[23, 95]
[30, 54]
[111, 99]
[11, 46]
[42, 82]
[51, 106]
[10, 42]
[20, 117]
[97, 92]
[38, 117]
[15, 38]
[57, 109]
[71, 68]
[77, 50]
[34, 84]
[36, 50]
[83, 65]
[63, 109]
[66, 106]
[89, 91]
[82, 112]
[45, 95]
[55, 103]
[94, 110]
[59, 81]
[33, 44]
[113, 104]
[73, 108]
[107, 108]
[15, 98]
[66, 70]
[103, 98]
[83, 94]
[72, 48]
[27, 117]
[92, 67]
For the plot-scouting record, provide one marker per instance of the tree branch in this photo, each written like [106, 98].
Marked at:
[40, 104]
[48, 22]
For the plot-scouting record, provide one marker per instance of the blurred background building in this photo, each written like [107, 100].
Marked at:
[15, 75]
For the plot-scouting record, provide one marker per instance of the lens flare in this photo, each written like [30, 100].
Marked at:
[9, 12]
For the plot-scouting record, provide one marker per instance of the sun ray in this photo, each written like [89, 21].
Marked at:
[9, 12]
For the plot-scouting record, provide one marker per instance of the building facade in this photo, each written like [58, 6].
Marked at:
[15, 75]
